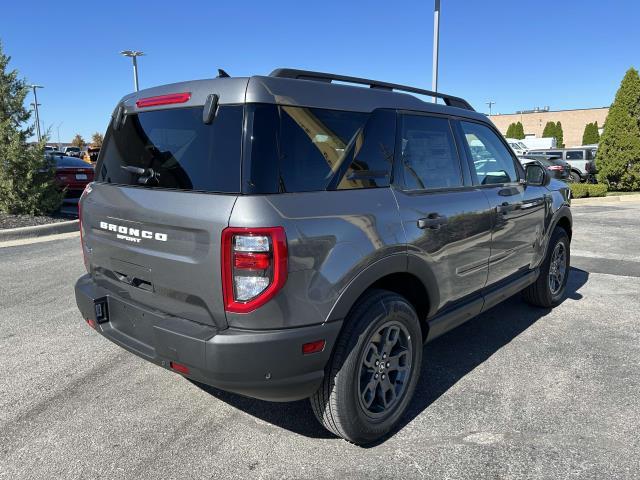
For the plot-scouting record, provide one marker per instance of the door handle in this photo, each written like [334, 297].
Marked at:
[433, 221]
[506, 207]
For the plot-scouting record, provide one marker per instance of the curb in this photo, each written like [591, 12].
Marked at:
[39, 230]
[603, 200]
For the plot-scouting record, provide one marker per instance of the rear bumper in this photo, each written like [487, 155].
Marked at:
[267, 364]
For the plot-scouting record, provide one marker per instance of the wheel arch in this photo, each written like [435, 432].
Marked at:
[399, 274]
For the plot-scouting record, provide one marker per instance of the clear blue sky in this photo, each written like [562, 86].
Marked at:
[521, 54]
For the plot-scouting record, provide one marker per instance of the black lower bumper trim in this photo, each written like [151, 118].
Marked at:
[264, 364]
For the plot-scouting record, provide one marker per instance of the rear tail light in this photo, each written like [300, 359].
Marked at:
[86, 191]
[254, 266]
[164, 100]
[555, 167]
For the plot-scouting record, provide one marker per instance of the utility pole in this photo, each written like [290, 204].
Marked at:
[436, 41]
[134, 57]
[36, 104]
[490, 103]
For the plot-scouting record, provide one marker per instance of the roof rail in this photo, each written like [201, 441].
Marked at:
[449, 100]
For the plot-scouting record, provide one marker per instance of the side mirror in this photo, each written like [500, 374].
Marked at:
[536, 174]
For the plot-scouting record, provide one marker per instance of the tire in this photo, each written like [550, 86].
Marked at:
[575, 177]
[353, 378]
[545, 291]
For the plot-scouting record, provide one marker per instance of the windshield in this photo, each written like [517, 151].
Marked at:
[175, 149]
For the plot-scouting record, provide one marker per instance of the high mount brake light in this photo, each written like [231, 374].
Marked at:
[163, 100]
[254, 266]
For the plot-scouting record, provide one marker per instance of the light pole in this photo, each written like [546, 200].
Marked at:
[33, 107]
[436, 41]
[58, 128]
[490, 103]
[134, 57]
[35, 98]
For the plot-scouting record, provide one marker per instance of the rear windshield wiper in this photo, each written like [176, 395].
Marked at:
[131, 169]
[145, 174]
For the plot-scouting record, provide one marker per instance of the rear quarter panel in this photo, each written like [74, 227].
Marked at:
[331, 236]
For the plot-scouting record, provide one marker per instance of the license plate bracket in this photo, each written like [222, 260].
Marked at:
[101, 308]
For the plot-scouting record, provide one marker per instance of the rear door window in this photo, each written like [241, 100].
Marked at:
[175, 149]
[492, 160]
[428, 155]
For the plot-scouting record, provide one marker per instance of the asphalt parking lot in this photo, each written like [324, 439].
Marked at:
[516, 393]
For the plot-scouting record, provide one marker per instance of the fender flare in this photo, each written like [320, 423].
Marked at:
[563, 212]
[396, 263]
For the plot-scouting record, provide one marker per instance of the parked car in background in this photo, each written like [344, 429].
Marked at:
[71, 173]
[582, 161]
[517, 146]
[556, 167]
[91, 154]
[72, 151]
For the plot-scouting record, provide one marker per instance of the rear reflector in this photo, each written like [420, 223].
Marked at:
[91, 322]
[251, 261]
[180, 368]
[313, 347]
[163, 100]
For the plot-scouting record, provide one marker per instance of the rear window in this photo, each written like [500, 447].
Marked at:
[175, 149]
[64, 162]
[299, 149]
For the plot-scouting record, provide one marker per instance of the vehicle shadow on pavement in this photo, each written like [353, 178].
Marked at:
[446, 360]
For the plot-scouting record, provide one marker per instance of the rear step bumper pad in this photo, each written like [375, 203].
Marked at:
[264, 364]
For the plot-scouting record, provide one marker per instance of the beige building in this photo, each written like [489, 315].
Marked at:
[573, 122]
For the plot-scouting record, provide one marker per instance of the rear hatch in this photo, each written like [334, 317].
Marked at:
[166, 183]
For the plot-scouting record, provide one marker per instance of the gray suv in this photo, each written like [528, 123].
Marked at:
[292, 236]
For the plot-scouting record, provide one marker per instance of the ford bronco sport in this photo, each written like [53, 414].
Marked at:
[299, 236]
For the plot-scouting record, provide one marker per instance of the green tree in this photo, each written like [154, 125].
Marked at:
[97, 139]
[591, 134]
[618, 157]
[596, 133]
[519, 131]
[554, 130]
[78, 141]
[511, 131]
[549, 130]
[559, 135]
[26, 178]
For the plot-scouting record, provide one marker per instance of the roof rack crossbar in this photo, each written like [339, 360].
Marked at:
[449, 100]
